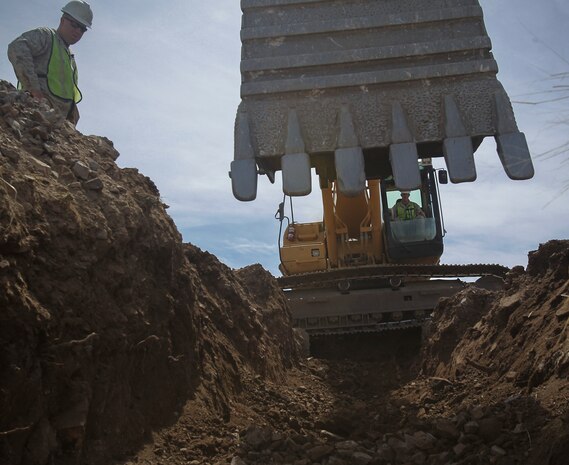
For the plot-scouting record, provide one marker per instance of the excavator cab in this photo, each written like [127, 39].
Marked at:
[413, 235]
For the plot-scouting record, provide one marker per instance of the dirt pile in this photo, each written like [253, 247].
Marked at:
[510, 350]
[488, 386]
[109, 324]
[383, 400]
[519, 336]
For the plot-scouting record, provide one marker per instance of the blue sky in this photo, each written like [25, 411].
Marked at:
[161, 80]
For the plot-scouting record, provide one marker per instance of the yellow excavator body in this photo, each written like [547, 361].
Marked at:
[362, 268]
[366, 93]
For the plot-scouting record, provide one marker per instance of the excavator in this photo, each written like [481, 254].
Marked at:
[365, 94]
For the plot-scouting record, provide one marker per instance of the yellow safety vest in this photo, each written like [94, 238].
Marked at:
[406, 212]
[62, 75]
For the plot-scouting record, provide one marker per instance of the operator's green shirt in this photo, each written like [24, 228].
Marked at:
[30, 56]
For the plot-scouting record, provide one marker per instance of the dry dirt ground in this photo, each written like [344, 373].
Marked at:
[119, 344]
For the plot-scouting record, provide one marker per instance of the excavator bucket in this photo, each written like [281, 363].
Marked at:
[361, 90]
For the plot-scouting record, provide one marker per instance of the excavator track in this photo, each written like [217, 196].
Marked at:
[379, 327]
[329, 311]
[374, 298]
[324, 278]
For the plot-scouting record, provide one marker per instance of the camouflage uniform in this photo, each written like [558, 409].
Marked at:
[29, 55]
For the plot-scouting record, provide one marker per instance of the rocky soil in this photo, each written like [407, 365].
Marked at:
[120, 344]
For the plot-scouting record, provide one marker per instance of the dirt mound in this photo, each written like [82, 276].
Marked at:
[509, 350]
[519, 336]
[370, 402]
[109, 324]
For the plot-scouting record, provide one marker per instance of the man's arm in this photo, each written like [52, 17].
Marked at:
[21, 53]
[419, 211]
[394, 213]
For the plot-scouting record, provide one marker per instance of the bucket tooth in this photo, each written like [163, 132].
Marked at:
[296, 174]
[511, 144]
[403, 158]
[294, 142]
[457, 146]
[403, 154]
[244, 179]
[459, 158]
[349, 157]
[514, 155]
[350, 172]
[243, 172]
[400, 132]
[295, 163]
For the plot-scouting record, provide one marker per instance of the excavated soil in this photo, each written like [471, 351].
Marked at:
[119, 344]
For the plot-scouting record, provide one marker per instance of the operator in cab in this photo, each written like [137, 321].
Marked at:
[406, 209]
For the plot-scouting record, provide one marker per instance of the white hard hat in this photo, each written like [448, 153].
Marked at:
[80, 11]
[405, 192]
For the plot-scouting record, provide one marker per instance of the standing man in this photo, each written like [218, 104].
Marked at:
[44, 64]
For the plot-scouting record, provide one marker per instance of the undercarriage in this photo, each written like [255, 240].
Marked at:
[374, 298]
